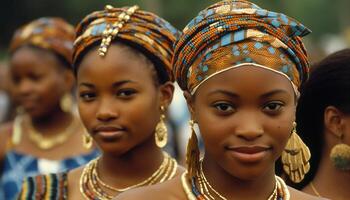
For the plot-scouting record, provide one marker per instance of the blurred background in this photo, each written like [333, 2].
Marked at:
[328, 19]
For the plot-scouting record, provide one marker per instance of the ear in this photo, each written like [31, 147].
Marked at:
[190, 103]
[333, 120]
[166, 93]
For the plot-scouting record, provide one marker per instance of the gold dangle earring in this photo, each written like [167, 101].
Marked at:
[340, 155]
[161, 131]
[66, 102]
[192, 153]
[87, 141]
[295, 157]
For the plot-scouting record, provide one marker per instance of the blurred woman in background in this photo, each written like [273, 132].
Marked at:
[45, 137]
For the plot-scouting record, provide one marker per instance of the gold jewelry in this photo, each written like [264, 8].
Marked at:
[48, 143]
[206, 183]
[161, 131]
[314, 189]
[192, 152]
[340, 155]
[17, 130]
[280, 190]
[87, 141]
[295, 157]
[186, 187]
[112, 30]
[91, 183]
[66, 103]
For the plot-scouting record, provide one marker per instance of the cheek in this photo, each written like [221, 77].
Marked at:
[87, 113]
[143, 112]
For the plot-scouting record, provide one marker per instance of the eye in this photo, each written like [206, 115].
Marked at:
[273, 107]
[35, 77]
[223, 107]
[87, 96]
[126, 93]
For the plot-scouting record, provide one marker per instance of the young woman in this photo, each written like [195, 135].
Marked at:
[323, 116]
[46, 138]
[240, 67]
[122, 62]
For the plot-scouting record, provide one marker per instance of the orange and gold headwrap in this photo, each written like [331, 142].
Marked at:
[145, 31]
[52, 34]
[235, 33]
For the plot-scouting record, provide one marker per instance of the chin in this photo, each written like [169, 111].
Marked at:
[247, 172]
[113, 149]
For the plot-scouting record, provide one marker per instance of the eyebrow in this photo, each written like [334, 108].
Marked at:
[116, 84]
[273, 92]
[227, 93]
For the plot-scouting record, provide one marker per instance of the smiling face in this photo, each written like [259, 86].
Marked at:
[39, 80]
[119, 100]
[245, 116]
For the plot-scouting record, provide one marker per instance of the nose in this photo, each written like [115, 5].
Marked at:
[24, 87]
[107, 111]
[249, 127]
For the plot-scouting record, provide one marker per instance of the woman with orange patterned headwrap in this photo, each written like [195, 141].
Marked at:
[122, 62]
[46, 136]
[240, 67]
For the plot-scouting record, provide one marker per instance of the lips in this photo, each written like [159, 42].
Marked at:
[249, 154]
[109, 132]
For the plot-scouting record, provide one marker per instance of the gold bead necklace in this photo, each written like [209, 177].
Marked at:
[91, 185]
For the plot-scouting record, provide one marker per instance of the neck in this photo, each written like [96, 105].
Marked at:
[53, 123]
[232, 187]
[131, 167]
[330, 182]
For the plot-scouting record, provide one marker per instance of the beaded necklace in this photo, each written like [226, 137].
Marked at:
[198, 188]
[93, 187]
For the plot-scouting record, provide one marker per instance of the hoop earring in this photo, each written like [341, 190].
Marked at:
[295, 157]
[66, 102]
[161, 131]
[87, 141]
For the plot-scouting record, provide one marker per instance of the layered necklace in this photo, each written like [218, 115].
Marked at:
[200, 188]
[46, 143]
[92, 187]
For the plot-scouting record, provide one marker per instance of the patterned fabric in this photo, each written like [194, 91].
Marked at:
[53, 34]
[45, 187]
[17, 166]
[145, 31]
[234, 33]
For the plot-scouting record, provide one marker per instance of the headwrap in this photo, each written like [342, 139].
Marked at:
[52, 34]
[234, 33]
[145, 31]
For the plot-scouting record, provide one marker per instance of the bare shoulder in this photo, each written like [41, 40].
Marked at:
[5, 135]
[299, 195]
[169, 190]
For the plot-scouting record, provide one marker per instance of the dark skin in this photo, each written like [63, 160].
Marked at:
[328, 179]
[120, 111]
[39, 80]
[244, 116]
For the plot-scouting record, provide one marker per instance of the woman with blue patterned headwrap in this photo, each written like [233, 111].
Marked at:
[240, 68]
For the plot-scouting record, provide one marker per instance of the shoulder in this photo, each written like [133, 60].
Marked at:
[299, 195]
[43, 185]
[5, 136]
[169, 190]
